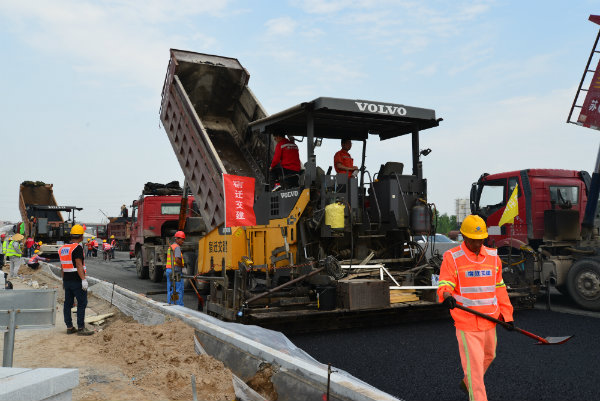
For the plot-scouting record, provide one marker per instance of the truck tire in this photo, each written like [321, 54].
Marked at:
[140, 269]
[583, 283]
[155, 271]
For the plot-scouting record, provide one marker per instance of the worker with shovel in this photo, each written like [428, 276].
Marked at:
[471, 277]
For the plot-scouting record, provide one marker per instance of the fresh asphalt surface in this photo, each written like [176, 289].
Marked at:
[420, 361]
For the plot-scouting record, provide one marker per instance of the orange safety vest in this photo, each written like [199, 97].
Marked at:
[477, 285]
[66, 260]
[170, 257]
[113, 242]
[31, 259]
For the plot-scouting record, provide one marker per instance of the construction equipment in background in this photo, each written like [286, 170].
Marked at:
[42, 216]
[120, 227]
[554, 241]
[292, 264]
[155, 217]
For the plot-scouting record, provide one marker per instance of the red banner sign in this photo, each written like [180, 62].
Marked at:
[590, 111]
[239, 200]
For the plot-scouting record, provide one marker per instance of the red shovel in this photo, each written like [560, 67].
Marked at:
[541, 341]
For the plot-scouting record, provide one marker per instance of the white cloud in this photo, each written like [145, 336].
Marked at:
[115, 37]
[280, 26]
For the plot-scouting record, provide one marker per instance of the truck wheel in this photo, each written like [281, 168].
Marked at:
[140, 269]
[583, 283]
[155, 271]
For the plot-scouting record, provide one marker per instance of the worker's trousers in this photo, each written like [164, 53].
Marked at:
[15, 263]
[477, 351]
[178, 289]
[73, 290]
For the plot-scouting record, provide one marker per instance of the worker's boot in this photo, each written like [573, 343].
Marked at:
[84, 332]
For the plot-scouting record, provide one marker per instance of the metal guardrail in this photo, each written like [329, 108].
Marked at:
[24, 310]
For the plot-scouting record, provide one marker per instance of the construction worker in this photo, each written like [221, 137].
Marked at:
[113, 245]
[471, 275]
[342, 161]
[75, 283]
[89, 246]
[14, 250]
[34, 261]
[174, 270]
[3, 244]
[94, 247]
[286, 162]
[29, 247]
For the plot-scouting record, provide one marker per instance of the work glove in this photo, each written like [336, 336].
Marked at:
[450, 302]
[84, 284]
[510, 326]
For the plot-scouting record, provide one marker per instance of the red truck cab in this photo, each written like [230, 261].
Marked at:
[539, 190]
[155, 219]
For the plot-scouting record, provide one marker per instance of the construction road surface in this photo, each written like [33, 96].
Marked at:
[420, 361]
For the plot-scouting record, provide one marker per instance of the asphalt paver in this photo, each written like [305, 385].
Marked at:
[420, 361]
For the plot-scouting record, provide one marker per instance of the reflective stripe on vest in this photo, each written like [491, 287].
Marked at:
[10, 250]
[170, 257]
[476, 281]
[65, 254]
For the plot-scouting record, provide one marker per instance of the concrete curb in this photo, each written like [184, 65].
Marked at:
[19, 384]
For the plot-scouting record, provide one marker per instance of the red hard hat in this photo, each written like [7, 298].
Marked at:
[3, 235]
[180, 234]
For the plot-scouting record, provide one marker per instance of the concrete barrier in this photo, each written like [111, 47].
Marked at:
[20, 384]
[296, 376]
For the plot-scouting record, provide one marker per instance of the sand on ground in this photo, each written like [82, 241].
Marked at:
[123, 360]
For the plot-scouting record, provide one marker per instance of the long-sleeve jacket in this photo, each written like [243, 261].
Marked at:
[476, 282]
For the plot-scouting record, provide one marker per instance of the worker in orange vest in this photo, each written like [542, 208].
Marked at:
[174, 270]
[75, 282]
[471, 275]
[342, 161]
[113, 245]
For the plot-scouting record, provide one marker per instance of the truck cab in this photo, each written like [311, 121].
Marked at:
[154, 221]
[540, 191]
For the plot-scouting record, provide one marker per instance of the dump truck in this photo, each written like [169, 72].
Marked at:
[120, 228]
[42, 216]
[155, 216]
[294, 267]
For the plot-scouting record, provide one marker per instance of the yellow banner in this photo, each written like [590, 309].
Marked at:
[512, 208]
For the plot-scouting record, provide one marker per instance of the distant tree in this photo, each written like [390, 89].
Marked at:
[446, 223]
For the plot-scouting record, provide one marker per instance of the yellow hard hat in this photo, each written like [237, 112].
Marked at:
[473, 227]
[40, 243]
[112, 236]
[93, 237]
[103, 240]
[77, 229]
[36, 251]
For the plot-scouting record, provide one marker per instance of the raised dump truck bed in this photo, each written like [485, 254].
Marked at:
[206, 108]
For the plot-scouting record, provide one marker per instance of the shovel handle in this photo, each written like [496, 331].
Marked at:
[504, 324]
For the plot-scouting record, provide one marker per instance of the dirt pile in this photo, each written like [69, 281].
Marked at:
[123, 360]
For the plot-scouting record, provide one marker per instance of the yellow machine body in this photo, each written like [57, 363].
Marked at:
[221, 247]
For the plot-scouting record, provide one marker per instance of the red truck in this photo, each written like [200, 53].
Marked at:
[545, 245]
[154, 222]
[539, 190]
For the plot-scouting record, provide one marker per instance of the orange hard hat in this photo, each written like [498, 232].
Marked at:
[180, 234]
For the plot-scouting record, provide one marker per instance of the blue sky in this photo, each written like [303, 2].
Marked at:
[81, 83]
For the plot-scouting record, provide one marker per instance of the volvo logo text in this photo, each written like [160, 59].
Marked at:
[381, 108]
[289, 194]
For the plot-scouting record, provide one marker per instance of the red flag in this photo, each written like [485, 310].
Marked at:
[590, 110]
[239, 200]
